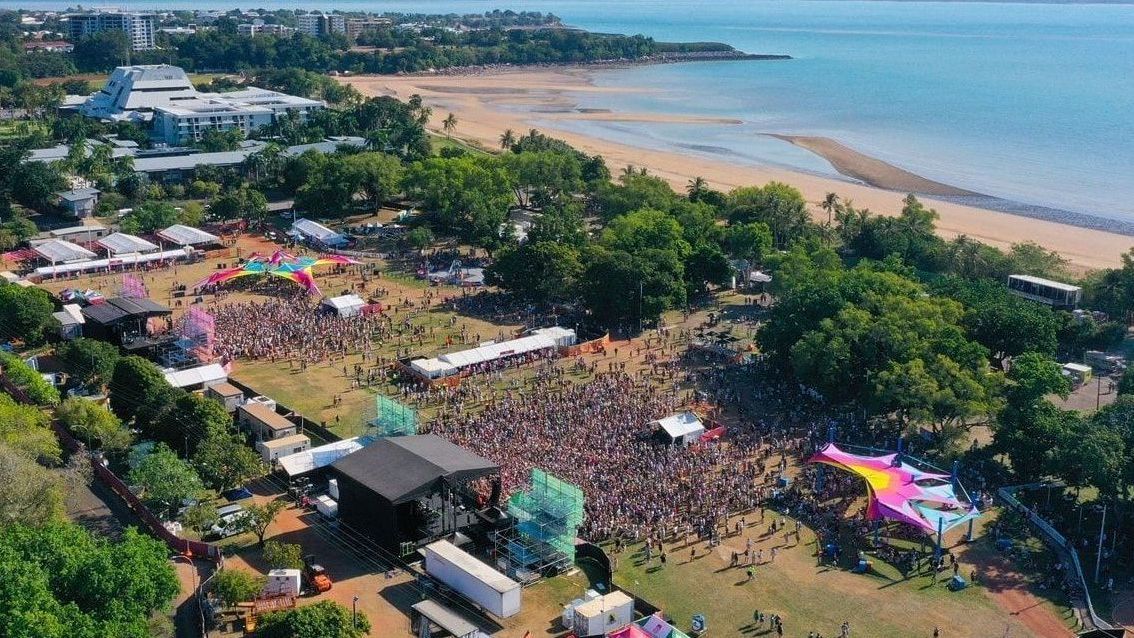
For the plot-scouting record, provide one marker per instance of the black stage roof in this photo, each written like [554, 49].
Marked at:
[117, 309]
[402, 468]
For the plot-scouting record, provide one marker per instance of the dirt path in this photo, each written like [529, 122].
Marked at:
[1012, 592]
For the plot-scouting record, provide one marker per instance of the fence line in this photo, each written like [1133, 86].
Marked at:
[1060, 544]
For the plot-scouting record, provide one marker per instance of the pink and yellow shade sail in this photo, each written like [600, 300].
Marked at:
[898, 491]
[278, 264]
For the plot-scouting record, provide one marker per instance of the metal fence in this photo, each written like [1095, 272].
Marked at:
[1065, 549]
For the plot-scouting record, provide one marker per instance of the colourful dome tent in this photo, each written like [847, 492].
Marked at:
[901, 492]
[279, 264]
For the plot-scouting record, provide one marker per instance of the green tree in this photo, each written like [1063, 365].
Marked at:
[25, 313]
[780, 206]
[233, 586]
[27, 430]
[1126, 383]
[539, 178]
[165, 479]
[283, 555]
[224, 462]
[378, 175]
[102, 51]
[196, 418]
[28, 379]
[449, 124]
[324, 619]
[33, 494]
[469, 196]
[61, 581]
[149, 217]
[134, 380]
[93, 424]
[707, 264]
[200, 517]
[243, 203]
[89, 361]
[1000, 321]
[420, 238]
[507, 139]
[749, 241]
[537, 272]
[258, 517]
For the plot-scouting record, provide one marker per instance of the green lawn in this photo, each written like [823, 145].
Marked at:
[438, 143]
[807, 597]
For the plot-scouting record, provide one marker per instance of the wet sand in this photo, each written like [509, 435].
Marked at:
[486, 104]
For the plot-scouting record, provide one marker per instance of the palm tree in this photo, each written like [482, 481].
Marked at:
[449, 124]
[507, 139]
[697, 186]
[830, 204]
[628, 170]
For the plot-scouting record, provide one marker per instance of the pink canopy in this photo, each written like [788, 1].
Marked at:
[901, 492]
[279, 264]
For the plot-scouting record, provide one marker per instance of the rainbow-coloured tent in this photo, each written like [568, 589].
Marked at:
[902, 492]
[279, 264]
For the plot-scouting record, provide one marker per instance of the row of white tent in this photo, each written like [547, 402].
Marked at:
[122, 249]
[453, 362]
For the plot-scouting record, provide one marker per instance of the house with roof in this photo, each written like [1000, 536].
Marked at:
[79, 202]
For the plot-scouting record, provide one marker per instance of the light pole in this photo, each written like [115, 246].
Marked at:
[354, 614]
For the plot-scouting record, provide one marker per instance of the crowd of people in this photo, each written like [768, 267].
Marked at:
[292, 329]
[596, 435]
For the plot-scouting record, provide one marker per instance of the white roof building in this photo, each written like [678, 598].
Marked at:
[59, 251]
[317, 457]
[452, 362]
[180, 112]
[121, 243]
[198, 376]
[186, 235]
[345, 305]
[683, 428]
[315, 231]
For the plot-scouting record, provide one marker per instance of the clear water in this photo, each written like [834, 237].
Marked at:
[1028, 102]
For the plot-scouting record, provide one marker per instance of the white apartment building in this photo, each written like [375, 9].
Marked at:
[317, 24]
[139, 27]
[259, 27]
[180, 114]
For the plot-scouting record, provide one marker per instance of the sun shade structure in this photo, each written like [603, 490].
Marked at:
[279, 264]
[121, 243]
[902, 492]
[57, 250]
[187, 235]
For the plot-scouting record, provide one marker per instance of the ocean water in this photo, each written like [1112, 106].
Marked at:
[1032, 103]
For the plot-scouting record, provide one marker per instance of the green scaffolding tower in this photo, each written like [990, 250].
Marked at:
[392, 418]
[546, 519]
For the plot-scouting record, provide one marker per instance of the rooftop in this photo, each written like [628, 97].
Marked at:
[56, 250]
[402, 468]
[269, 417]
[120, 243]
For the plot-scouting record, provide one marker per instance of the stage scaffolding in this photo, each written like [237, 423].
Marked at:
[540, 539]
[392, 418]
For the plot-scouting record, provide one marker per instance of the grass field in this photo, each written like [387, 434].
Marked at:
[808, 597]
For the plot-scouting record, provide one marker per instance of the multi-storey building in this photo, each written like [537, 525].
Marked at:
[317, 24]
[138, 27]
[259, 27]
[357, 26]
[180, 114]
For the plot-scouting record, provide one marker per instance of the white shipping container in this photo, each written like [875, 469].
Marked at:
[283, 581]
[602, 615]
[472, 578]
[333, 488]
[327, 506]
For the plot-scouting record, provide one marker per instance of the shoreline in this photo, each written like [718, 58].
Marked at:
[487, 103]
[621, 63]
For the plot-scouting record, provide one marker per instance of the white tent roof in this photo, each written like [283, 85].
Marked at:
[118, 243]
[196, 376]
[96, 264]
[681, 424]
[186, 235]
[315, 230]
[318, 457]
[433, 368]
[57, 250]
[345, 301]
[70, 315]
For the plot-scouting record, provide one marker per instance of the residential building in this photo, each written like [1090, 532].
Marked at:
[79, 202]
[259, 27]
[357, 26]
[138, 27]
[317, 24]
[48, 46]
[264, 422]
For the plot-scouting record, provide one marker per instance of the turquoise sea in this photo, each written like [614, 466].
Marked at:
[1032, 103]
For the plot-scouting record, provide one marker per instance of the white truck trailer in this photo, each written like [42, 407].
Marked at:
[475, 580]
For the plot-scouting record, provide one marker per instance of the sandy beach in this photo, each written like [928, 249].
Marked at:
[488, 103]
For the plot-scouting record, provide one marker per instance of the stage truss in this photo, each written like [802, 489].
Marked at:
[392, 418]
[545, 521]
[133, 287]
